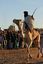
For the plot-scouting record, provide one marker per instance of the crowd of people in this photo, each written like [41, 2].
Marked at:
[10, 39]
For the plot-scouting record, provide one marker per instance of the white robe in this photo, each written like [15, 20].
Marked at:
[28, 20]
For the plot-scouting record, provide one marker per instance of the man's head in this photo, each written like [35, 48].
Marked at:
[25, 13]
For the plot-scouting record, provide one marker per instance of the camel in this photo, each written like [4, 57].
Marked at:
[30, 34]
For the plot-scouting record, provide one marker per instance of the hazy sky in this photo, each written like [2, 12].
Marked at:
[10, 9]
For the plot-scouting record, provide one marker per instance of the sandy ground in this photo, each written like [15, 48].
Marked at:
[20, 56]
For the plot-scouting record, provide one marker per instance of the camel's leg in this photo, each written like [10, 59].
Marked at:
[28, 38]
[39, 47]
[29, 57]
[28, 51]
[37, 37]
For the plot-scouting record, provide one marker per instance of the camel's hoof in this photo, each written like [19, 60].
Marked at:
[39, 55]
[29, 56]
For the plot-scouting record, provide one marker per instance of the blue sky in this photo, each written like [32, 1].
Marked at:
[10, 9]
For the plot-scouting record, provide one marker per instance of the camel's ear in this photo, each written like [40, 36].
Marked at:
[32, 17]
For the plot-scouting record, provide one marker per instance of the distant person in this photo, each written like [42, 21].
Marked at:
[20, 39]
[1, 40]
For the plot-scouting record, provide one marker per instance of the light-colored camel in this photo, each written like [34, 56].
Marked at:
[30, 37]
